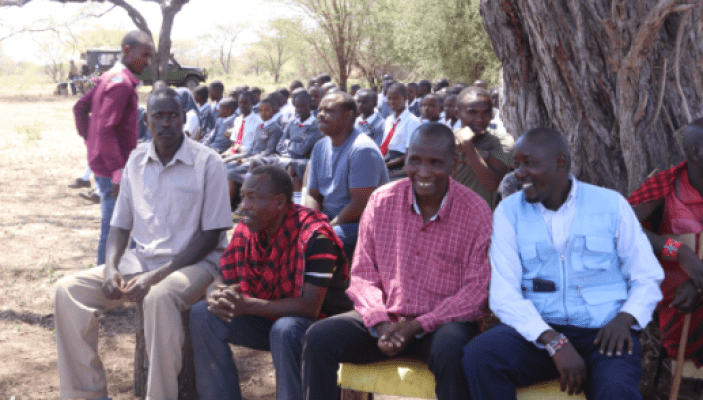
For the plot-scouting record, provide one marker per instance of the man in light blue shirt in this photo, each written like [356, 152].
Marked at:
[345, 168]
[573, 278]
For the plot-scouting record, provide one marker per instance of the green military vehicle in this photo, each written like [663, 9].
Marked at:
[100, 59]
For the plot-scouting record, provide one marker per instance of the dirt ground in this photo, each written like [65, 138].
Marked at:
[47, 231]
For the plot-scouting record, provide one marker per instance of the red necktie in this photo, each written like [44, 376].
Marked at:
[384, 145]
[241, 133]
[362, 123]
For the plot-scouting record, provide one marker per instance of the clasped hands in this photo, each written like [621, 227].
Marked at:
[393, 338]
[227, 302]
[114, 287]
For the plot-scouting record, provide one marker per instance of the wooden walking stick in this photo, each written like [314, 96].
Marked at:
[676, 383]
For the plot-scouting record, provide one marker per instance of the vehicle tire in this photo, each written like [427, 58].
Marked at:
[191, 82]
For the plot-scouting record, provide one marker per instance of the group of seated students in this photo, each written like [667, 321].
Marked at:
[363, 269]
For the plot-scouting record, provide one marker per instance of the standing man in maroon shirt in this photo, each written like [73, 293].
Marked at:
[419, 279]
[106, 117]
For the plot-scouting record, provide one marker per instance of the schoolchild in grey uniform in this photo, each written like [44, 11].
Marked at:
[297, 142]
[266, 138]
[218, 139]
[369, 120]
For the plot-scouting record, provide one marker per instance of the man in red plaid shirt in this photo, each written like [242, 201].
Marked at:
[419, 279]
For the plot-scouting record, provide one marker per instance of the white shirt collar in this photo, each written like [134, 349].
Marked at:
[308, 121]
[370, 119]
[570, 199]
[403, 116]
[417, 208]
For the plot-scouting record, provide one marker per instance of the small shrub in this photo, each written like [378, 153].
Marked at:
[31, 131]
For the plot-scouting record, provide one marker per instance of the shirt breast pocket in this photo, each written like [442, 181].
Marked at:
[446, 274]
[183, 201]
[592, 254]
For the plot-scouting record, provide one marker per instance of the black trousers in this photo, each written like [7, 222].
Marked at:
[344, 339]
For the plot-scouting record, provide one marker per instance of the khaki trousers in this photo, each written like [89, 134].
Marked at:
[79, 302]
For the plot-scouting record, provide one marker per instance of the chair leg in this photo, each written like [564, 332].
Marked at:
[676, 383]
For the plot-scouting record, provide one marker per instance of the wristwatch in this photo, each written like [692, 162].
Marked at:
[556, 344]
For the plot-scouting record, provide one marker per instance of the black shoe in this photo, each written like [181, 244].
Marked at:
[91, 196]
[79, 183]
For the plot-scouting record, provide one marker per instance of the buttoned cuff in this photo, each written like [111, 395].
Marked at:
[642, 318]
[373, 317]
[428, 322]
[116, 177]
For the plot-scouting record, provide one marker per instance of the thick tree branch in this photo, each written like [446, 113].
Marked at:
[677, 69]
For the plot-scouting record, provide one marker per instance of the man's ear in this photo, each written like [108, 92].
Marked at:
[562, 161]
[281, 201]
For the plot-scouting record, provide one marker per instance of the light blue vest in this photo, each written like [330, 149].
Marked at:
[590, 287]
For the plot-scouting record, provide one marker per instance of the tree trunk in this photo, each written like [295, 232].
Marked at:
[607, 74]
[163, 54]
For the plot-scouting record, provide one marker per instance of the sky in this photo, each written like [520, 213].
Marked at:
[194, 19]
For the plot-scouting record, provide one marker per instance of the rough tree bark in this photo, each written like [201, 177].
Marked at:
[617, 77]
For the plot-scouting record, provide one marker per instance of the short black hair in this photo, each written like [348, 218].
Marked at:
[348, 103]
[158, 85]
[400, 88]
[440, 84]
[229, 103]
[256, 90]
[435, 131]
[201, 91]
[284, 92]
[355, 86]
[551, 139]
[369, 92]
[217, 86]
[267, 101]
[411, 84]
[281, 181]
[248, 95]
[324, 78]
[457, 88]
[304, 96]
[135, 38]
[278, 98]
[164, 93]
[474, 91]
[297, 84]
[425, 84]
[439, 99]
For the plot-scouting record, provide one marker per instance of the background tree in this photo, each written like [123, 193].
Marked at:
[618, 77]
[379, 52]
[338, 32]
[277, 44]
[52, 53]
[223, 37]
[169, 9]
[447, 39]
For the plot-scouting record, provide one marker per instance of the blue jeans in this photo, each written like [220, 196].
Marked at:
[348, 234]
[216, 373]
[501, 359]
[107, 205]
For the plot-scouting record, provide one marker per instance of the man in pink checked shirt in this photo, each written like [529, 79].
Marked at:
[419, 278]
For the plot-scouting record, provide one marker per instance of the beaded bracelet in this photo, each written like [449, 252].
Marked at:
[671, 249]
[556, 344]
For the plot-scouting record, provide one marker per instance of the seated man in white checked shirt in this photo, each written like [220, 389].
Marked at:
[419, 277]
